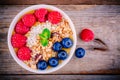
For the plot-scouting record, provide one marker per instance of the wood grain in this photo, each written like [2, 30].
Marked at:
[58, 2]
[102, 54]
[60, 77]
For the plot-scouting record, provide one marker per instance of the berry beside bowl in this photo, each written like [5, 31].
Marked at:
[42, 38]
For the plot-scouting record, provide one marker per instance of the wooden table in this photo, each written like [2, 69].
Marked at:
[102, 54]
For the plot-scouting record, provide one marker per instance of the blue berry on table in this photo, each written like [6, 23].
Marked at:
[80, 52]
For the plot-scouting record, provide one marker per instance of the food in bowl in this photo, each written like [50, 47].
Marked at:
[42, 38]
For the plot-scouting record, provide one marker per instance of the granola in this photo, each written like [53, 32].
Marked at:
[58, 32]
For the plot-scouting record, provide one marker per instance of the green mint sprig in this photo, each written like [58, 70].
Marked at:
[44, 36]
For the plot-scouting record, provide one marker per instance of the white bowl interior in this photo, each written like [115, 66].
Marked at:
[12, 25]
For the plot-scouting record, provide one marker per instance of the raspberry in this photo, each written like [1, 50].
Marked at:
[87, 35]
[24, 53]
[21, 28]
[29, 20]
[41, 14]
[54, 17]
[18, 40]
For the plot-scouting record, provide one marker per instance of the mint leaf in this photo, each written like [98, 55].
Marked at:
[44, 42]
[42, 36]
[46, 33]
[45, 36]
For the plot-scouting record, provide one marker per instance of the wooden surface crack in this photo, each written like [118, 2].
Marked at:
[103, 44]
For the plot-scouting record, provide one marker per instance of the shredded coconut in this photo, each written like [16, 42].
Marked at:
[36, 30]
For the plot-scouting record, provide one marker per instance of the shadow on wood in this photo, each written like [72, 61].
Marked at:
[60, 2]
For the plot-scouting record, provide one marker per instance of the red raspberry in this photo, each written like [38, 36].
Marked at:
[87, 35]
[41, 14]
[29, 20]
[21, 28]
[24, 53]
[54, 17]
[18, 40]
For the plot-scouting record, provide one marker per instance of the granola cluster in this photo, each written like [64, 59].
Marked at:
[39, 52]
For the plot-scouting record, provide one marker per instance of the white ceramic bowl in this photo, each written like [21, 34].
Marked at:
[12, 25]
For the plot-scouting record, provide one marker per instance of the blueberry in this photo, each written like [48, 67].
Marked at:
[67, 42]
[80, 52]
[42, 65]
[57, 46]
[62, 55]
[53, 62]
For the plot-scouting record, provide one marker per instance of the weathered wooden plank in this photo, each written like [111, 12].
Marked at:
[60, 77]
[92, 63]
[100, 58]
[63, 2]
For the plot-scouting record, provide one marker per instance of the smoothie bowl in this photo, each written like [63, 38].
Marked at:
[42, 38]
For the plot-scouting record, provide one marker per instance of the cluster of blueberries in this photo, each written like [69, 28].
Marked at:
[62, 54]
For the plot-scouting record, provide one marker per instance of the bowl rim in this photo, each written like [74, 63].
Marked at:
[12, 25]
